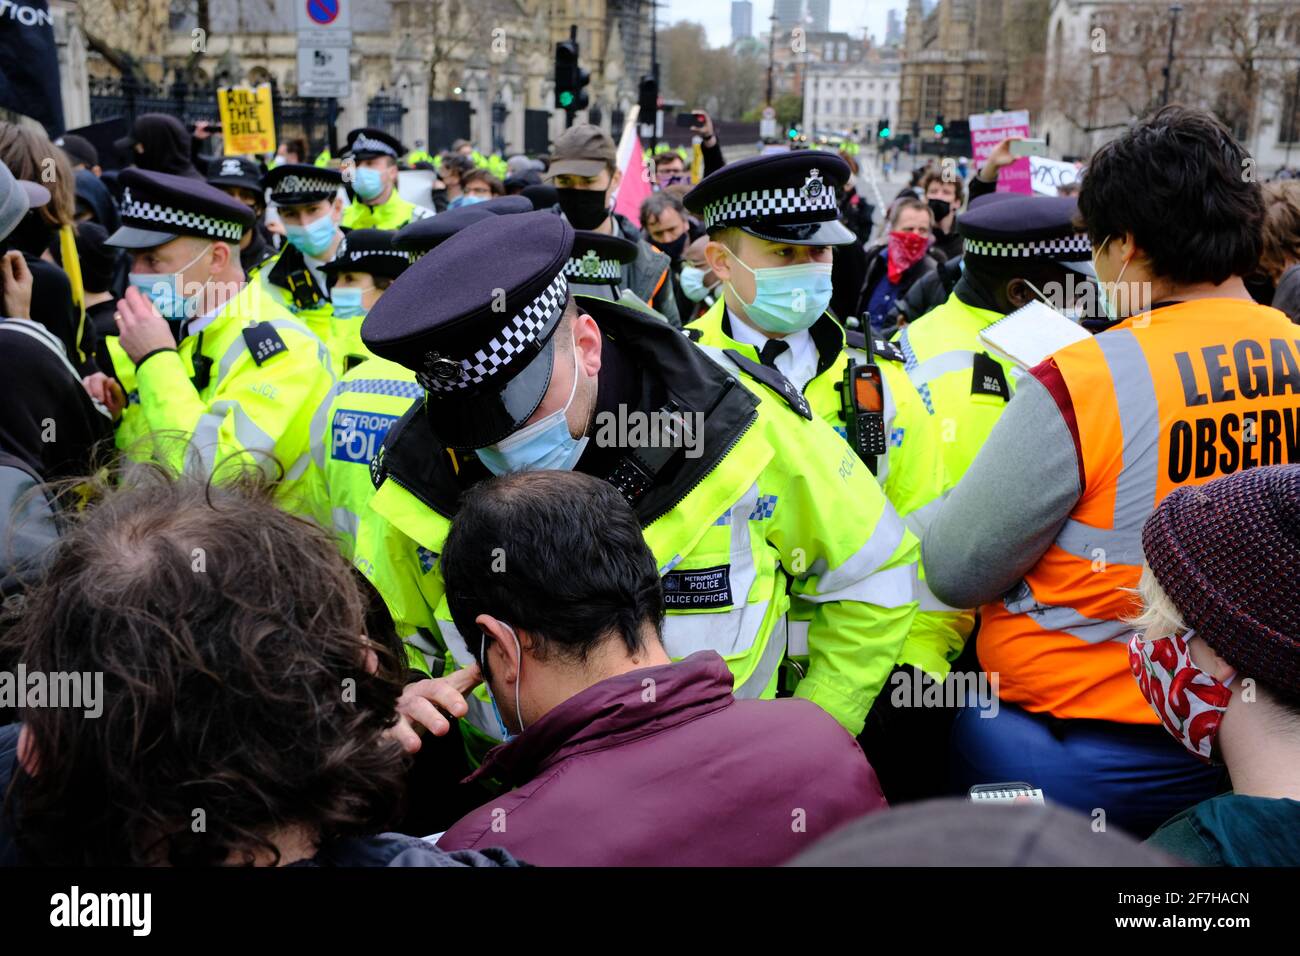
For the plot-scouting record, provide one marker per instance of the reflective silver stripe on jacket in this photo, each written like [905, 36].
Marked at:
[1064, 619]
[1135, 487]
[860, 579]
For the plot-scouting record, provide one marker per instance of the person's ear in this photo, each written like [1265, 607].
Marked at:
[28, 758]
[336, 209]
[1019, 293]
[1207, 659]
[718, 256]
[587, 340]
[220, 257]
[615, 178]
[501, 650]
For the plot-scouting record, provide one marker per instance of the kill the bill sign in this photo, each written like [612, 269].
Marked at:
[247, 120]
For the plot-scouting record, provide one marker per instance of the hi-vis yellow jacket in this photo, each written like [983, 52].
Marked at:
[393, 213]
[743, 532]
[246, 389]
[911, 472]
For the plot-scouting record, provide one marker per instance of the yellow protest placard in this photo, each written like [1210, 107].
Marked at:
[247, 119]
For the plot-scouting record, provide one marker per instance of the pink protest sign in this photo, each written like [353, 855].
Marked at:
[989, 129]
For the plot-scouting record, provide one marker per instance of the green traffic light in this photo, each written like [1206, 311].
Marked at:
[566, 98]
[884, 133]
[938, 127]
[794, 134]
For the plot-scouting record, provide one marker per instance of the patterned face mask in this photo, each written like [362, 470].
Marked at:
[1188, 701]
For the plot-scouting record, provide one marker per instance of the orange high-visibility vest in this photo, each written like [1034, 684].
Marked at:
[1176, 396]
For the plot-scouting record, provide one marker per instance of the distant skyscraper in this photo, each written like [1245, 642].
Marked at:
[789, 13]
[742, 20]
[893, 28]
[819, 15]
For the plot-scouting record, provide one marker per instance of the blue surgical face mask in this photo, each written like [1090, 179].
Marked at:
[1103, 296]
[314, 238]
[367, 183]
[466, 200]
[347, 302]
[164, 290]
[787, 298]
[544, 445]
[692, 282]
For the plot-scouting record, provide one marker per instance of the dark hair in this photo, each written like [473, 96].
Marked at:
[657, 203]
[558, 554]
[229, 636]
[947, 179]
[478, 173]
[1178, 183]
[1281, 245]
[298, 146]
[666, 157]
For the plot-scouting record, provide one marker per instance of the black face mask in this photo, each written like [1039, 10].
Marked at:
[584, 208]
[940, 208]
[674, 248]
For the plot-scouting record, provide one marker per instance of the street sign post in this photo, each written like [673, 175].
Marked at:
[324, 44]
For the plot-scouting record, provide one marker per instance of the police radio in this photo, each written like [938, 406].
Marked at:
[862, 407]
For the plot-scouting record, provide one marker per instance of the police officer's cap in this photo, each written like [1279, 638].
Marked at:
[238, 171]
[597, 258]
[421, 235]
[296, 184]
[158, 207]
[368, 142]
[370, 251]
[1024, 228]
[474, 319]
[782, 197]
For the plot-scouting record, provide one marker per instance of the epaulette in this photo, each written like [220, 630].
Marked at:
[263, 341]
[881, 348]
[693, 334]
[773, 380]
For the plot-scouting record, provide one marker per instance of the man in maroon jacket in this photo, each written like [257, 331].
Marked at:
[620, 757]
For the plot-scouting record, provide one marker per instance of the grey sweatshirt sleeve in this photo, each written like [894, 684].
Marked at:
[1007, 509]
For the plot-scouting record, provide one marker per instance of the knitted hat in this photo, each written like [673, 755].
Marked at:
[1228, 555]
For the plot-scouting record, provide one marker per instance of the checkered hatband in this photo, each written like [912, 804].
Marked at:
[1076, 245]
[295, 185]
[364, 144]
[444, 374]
[355, 255]
[590, 266]
[140, 212]
[814, 196]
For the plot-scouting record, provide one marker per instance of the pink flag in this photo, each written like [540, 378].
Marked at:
[635, 185]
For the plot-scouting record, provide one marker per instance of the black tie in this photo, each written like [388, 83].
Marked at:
[771, 349]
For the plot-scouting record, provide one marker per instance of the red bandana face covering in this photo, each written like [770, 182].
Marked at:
[1188, 701]
[905, 251]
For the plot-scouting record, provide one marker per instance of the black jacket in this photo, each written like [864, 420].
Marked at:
[878, 269]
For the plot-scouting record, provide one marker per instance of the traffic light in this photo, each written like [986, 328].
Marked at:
[570, 78]
[793, 133]
[882, 129]
[938, 124]
[648, 99]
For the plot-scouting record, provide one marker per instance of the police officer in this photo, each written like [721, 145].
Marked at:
[363, 267]
[1018, 248]
[308, 201]
[372, 395]
[207, 366]
[373, 154]
[241, 178]
[518, 375]
[772, 222]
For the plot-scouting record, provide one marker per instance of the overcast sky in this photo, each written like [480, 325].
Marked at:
[850, 16]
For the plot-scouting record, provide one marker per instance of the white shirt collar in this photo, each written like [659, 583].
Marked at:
[798, 363]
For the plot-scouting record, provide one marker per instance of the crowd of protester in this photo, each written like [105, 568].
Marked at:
[256, 672]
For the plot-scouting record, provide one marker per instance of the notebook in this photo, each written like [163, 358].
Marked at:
[1031, 333]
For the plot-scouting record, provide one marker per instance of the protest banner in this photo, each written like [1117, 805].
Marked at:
[247, 120]
[989, 129]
